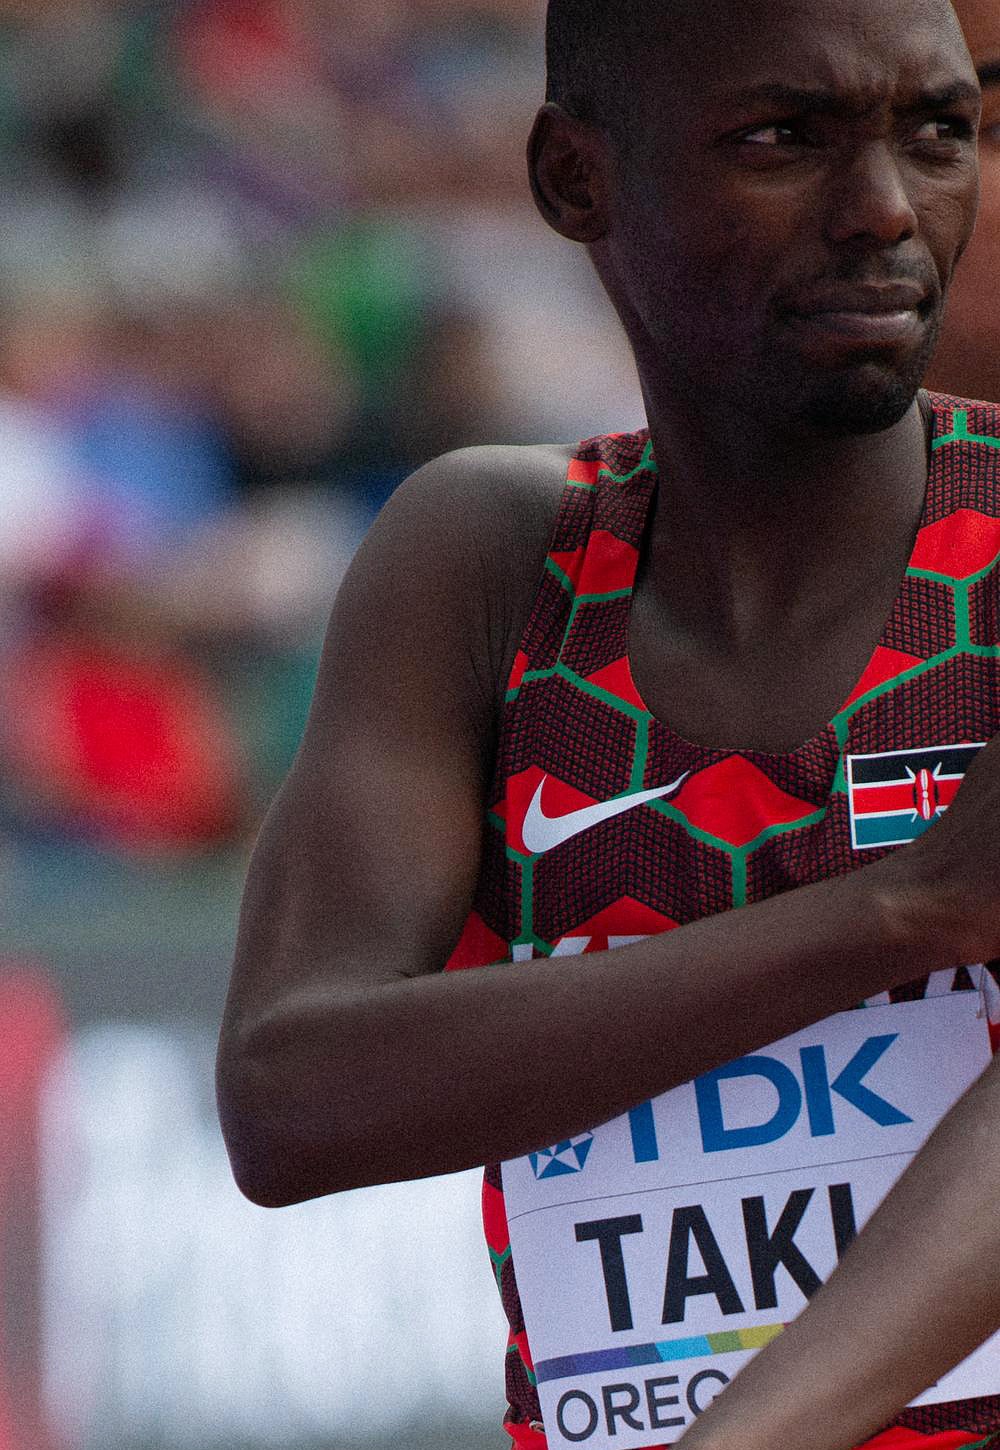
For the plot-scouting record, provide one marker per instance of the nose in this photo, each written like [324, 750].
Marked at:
[869, 202]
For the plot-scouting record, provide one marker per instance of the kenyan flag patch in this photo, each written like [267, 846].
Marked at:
[895, 797]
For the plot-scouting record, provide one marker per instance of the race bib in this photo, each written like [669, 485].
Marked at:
[658, 1253]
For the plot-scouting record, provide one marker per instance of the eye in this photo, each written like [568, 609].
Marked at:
[777, 134]
[945, 128]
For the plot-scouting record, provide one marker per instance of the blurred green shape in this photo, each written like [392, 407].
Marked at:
[364, 289]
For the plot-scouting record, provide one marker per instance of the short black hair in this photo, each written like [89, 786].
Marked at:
[588, 46]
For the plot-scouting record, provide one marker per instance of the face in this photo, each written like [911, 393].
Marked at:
[968, 359]
[785, 222]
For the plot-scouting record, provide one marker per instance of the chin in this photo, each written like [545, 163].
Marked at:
[869, 397]
[865, 393]
[861, 406]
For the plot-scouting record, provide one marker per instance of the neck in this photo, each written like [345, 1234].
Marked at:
[754, 524]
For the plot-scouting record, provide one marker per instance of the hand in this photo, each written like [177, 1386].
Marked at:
[946, 885]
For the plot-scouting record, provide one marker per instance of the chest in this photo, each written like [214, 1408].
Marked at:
[774, 687]
[607, 825]
[761, 653]
[635, 826]
[639, 785]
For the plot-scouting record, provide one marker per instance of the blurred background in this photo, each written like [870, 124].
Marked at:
[259, 259]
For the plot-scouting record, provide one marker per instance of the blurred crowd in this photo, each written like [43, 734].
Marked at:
[259, 259]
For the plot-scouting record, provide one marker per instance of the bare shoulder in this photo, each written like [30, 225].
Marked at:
[508, 494]
[470, 531]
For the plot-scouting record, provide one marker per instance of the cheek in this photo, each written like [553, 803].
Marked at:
[947, 218]
[694, 277]
[729, 267]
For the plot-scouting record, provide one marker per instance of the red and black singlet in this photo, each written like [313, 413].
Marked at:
[744, 825]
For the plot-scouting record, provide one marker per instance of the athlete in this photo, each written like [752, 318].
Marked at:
[631, 722]
[968, 356]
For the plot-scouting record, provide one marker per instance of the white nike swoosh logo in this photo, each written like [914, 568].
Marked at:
[542, 833]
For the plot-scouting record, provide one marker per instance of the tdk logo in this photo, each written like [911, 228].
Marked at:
[812, 1087]
[566, 1157]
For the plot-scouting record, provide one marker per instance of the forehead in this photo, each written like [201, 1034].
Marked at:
[863, 47]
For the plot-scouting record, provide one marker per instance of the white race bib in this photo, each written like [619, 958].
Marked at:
[657, 1254]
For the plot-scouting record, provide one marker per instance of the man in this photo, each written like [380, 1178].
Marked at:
[968, 357]
[664, 728]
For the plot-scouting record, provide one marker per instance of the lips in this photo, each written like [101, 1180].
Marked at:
[872, 300]
[877, 315]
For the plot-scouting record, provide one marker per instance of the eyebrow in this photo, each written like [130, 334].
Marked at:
[834, 103]
[989, 74]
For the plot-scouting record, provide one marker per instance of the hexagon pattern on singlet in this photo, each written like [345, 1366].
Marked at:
[744, 825]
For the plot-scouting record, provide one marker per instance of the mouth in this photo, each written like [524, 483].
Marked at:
[868, 329]
[876, 316]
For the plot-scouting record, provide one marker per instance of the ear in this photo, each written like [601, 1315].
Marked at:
[568, 164]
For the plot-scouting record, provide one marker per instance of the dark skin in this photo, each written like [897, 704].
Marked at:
[771, 205]
[347, 1057]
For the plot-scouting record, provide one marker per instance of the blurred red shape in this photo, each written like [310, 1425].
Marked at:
[135, 749]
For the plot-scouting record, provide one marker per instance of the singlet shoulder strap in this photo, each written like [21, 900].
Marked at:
[964, 479]
[594, 551]
[963, 420]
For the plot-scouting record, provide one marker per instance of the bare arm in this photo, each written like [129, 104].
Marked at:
[347, 1057]
[917, 1292]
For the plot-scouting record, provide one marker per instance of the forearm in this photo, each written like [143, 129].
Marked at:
[338, 1086]
[916, 1293]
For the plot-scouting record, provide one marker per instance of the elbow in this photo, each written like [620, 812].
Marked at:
[261, 1191]
[272, 1173]
[279, 1154]
[255, 1157]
